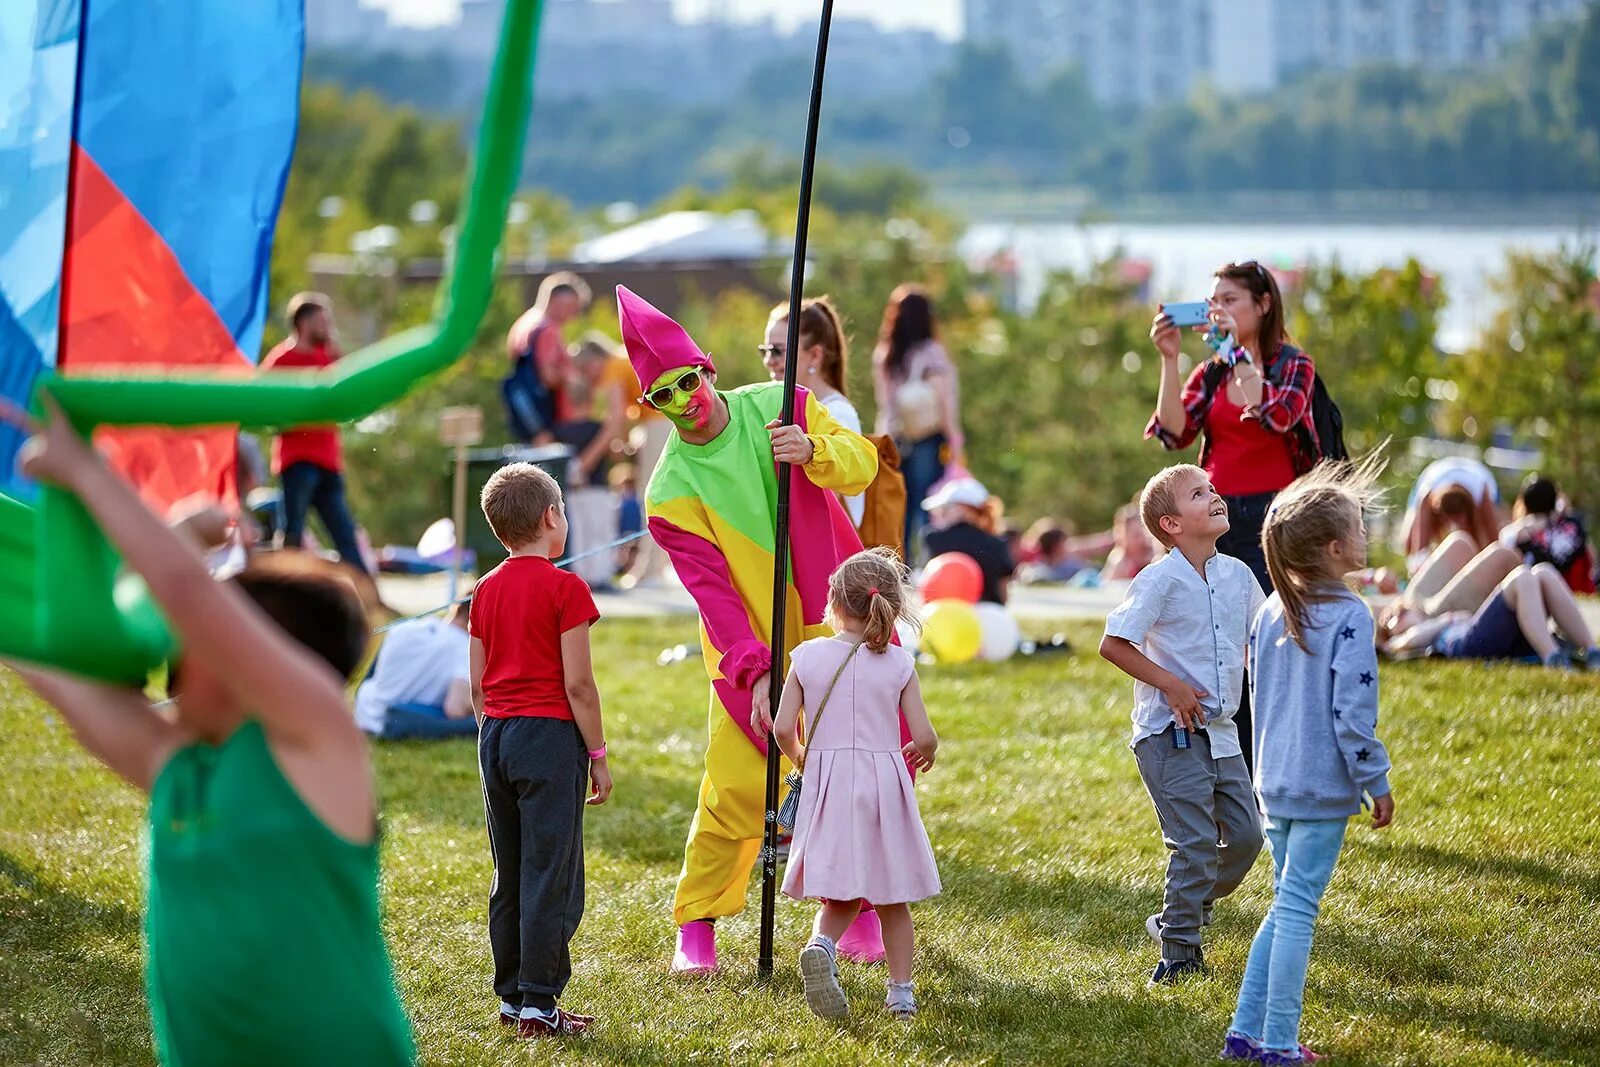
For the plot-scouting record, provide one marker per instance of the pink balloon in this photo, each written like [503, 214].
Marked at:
[952, 576]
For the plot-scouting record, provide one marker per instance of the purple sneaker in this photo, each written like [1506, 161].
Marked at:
[1237, 1046]
[1280, 1059]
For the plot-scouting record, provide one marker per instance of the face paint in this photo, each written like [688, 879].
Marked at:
[687, 411]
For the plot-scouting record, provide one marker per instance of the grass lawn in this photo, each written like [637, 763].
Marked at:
[1467, 933]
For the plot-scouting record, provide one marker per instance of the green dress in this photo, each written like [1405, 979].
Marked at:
[263, 932]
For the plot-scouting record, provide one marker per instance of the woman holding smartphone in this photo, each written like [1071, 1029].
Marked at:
[1250, 407]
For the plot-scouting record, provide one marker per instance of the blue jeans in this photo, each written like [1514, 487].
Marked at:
[922, 465]
[1304, 852]
[307, 486]
[424, 721]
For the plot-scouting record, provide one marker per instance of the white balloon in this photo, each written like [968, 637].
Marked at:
[1001, 634]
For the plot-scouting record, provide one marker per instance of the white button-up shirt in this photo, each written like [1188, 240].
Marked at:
[1198, 627]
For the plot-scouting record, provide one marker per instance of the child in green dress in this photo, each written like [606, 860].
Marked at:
[262, 928]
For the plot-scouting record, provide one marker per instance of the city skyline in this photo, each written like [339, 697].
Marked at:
[941, 16]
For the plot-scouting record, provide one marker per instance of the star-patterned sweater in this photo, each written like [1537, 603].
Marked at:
[1316, 713]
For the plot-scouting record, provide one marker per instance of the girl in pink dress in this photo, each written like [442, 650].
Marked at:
[858, 836]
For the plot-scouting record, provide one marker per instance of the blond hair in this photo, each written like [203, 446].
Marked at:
[871, 586]
[1318, 509]
[515, 500]
[820, 324]
[1160, 498]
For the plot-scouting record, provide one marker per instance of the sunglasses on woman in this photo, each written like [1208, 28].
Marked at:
[660, 398]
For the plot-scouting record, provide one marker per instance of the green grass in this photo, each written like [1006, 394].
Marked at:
[1465, 934]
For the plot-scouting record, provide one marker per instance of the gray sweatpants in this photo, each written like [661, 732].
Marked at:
[1209, 824]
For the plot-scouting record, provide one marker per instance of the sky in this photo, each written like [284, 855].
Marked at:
[943, 16]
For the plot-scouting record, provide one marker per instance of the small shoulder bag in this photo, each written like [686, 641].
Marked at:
[789, 811]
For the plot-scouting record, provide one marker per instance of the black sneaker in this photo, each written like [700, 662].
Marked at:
[1171, 972]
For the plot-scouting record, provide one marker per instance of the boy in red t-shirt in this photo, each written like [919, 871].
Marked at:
[541, 747]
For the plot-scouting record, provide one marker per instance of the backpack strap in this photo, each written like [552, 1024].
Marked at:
[826, 693]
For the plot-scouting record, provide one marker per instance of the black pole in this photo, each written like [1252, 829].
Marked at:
[780, 548]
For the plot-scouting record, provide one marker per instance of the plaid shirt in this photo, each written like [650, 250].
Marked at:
[1285, 406]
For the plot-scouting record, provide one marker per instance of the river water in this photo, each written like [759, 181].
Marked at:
[1182, 255]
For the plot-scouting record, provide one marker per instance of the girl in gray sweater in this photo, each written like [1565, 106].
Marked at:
[1314, 687]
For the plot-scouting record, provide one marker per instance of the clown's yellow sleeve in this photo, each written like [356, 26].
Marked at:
[842, 459]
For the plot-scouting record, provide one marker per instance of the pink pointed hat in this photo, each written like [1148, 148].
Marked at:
[655, 343]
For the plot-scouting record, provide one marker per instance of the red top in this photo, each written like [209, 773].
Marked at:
[519, 612]
[1245, 457]
[311, 444]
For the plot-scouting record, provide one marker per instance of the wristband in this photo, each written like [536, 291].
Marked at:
[599, 753]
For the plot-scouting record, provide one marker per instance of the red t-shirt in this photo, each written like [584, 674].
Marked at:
[519, 612]
[310, 444]
[1246, 458]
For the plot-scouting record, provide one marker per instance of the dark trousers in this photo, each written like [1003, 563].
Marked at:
[307, 486]
[1246, 516]
[535, 779]
[424, 722]
[922, 465]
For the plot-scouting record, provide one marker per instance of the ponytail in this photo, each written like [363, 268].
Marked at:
[871, 586]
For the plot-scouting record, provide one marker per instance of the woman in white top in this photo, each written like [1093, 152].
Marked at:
[820, 367]
[1426, 523]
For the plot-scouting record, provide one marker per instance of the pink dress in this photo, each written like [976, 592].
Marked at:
[860, 835]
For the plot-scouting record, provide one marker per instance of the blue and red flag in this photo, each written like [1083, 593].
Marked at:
[139, 189]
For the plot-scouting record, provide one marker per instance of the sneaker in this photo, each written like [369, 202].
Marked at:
[1152, 925]
[562, 1024]
[1560, 660]
[508, 1020]
[1280, 1059]
[819, 973]
[901, 1001]
[1171, 972]
[1591, 659]
[1237, 1046]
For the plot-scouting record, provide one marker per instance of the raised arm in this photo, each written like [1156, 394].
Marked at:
[298, 698]
[114, 724]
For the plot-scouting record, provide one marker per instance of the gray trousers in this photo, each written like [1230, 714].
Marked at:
[535, 779]
[1209, 824]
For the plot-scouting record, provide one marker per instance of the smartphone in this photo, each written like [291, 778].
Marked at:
[1193, 313]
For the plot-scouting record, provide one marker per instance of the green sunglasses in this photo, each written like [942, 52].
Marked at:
[660, 398]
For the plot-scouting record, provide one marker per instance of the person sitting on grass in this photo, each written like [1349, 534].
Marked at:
[1181, 634]
[421, 685]
[961, 520]
[1520, 621]
[262, 928]
[1544, 530]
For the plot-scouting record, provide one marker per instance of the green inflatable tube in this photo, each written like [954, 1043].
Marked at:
[62, 601]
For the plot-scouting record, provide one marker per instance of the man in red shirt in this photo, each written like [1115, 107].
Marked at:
[307, 459]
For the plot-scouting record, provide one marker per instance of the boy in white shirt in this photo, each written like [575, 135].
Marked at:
[1182, 634]
[420, 685]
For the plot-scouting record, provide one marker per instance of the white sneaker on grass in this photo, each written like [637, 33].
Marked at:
[819, 974]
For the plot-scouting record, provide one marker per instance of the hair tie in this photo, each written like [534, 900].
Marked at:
[874, 591]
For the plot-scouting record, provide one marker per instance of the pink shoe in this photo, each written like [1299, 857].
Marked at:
[863, 942]
[697, 949]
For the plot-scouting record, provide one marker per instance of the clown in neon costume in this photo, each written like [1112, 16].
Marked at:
[710, 506]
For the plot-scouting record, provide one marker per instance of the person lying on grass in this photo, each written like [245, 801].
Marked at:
[262, 927]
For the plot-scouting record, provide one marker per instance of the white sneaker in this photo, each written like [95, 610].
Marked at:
[819, 973]
[1152, 925]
